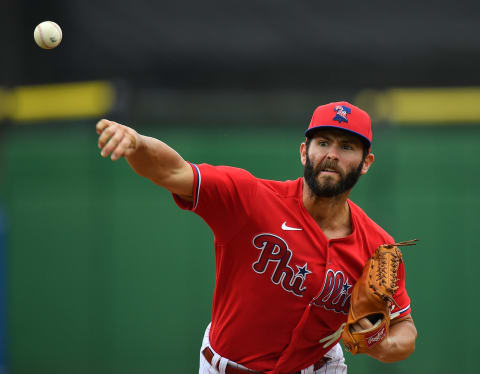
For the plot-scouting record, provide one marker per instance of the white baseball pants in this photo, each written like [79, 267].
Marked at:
[336, 364]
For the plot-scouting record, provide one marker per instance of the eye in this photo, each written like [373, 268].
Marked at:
[347, 147]
[323, 143]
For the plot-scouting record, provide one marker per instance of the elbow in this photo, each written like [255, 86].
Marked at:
[410, 349]
[402, 345]
[398, 353]
[400, 356]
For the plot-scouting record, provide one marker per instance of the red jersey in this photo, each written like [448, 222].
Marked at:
[282, 287]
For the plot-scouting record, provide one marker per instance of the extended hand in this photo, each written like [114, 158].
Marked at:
[116, 139]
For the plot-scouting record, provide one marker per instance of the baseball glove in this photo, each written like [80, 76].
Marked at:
[372, 298]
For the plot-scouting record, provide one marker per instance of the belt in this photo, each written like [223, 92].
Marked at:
[230, 369]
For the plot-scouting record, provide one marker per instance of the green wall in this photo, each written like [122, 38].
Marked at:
[106, 275]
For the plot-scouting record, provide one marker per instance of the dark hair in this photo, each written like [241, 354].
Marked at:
[366, 147]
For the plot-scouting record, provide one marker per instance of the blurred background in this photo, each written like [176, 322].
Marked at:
[100, 272]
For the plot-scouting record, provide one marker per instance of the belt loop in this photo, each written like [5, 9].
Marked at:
[223, 365]
[216, 357]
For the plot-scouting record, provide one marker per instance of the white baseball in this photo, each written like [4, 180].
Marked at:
[47, 35]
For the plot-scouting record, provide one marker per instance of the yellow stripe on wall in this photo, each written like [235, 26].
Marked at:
[4, 103]
[60, 101]
[423, 105]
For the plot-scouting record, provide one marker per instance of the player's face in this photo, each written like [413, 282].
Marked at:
[333, 162]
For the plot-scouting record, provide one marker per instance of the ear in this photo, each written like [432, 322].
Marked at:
[303, 153]
[367, 163]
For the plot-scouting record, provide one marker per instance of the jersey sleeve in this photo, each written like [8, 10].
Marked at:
[222, 196]
[401, 296]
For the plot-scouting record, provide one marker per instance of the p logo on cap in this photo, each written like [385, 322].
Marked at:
[342, 112]
[342, 115]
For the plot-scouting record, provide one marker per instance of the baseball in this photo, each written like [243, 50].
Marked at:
[47, 35]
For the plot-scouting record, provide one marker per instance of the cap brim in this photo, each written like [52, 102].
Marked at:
[310, 132]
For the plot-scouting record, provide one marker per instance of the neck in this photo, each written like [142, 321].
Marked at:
[332, 214]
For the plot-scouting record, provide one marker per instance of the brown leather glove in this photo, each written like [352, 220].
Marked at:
[372, 298]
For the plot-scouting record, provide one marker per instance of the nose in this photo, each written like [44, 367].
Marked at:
[332, 153]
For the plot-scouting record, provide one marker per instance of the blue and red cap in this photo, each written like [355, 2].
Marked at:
[344, 116]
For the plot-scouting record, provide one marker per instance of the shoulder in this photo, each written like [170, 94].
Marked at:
[288, 188]
[221, 174]
[240, 177]
[223, 169]
[372, 232]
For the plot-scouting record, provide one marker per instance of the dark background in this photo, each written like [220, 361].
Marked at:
[272, 44]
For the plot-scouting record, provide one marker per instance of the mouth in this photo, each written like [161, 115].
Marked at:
[328, 171]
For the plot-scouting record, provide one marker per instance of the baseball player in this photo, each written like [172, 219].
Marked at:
[287, 253]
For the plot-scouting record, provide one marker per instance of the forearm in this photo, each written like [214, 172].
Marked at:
[399, 343]
[149, 157]
[155, 160]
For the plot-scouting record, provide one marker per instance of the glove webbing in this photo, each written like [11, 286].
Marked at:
[382, 269]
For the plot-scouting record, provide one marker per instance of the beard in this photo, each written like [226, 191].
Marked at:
[328, 187]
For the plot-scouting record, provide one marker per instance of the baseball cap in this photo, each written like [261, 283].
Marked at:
[342, 115]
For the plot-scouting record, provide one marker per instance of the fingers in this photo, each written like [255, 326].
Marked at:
[365, 324]
[115, 139]
[102, 125]
[361, 325]
[124, 147]
[116, 135]
[106, 130]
